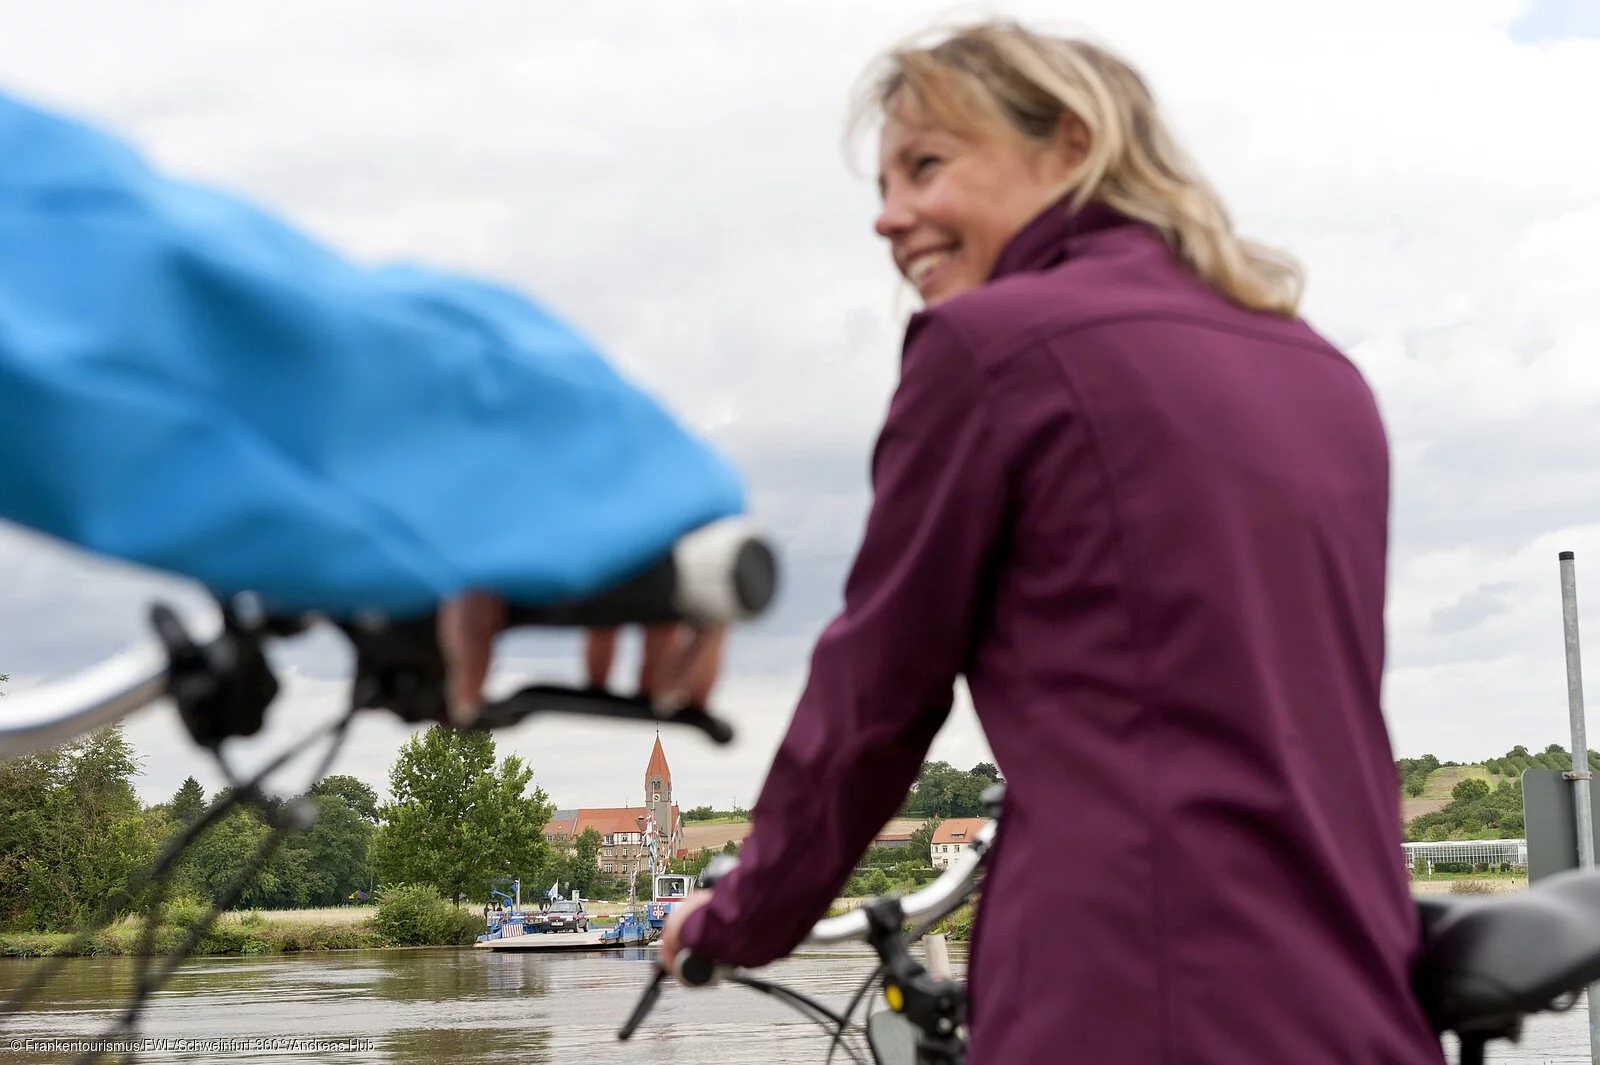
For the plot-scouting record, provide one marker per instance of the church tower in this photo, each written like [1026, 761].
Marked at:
[658, 798]
[658, 786]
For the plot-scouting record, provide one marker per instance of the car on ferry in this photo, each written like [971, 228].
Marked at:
[565, 916]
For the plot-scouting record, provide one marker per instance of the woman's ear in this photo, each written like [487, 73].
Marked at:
[1071, 144]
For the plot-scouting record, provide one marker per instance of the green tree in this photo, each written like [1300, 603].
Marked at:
[922, 839]
[987, 770]
[941, 790]
[581, 870]
[333, 852]
[1475, 811]
[456, 820]
[223, 852]
[357, 794]
[27, 787]
[72, 832]
[1414, 773]
[188, 802]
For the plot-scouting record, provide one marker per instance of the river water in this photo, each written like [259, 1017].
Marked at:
[474, 1007]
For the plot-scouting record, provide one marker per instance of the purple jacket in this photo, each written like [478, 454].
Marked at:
[1150, 529]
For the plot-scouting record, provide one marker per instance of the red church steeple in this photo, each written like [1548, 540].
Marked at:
[657, 777]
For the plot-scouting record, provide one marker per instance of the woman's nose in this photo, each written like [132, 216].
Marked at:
[893, 217]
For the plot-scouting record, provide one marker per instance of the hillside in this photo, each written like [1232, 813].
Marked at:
[701, 836]
[698, 835]
[1482, 800]
[1410, 809]
[1442, 780]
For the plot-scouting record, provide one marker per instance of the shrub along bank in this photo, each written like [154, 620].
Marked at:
[407, 915]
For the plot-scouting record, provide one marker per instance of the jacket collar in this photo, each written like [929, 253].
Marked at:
[1043, 242]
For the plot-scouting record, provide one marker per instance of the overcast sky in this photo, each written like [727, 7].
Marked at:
[671, 179]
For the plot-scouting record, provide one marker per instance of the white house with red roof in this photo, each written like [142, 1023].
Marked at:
[952, 837]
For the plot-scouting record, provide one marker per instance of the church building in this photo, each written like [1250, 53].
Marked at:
[622, 828]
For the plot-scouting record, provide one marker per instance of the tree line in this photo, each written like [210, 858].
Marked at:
[73, 835]
[461, 822]
[941, 790]
[1414, 772]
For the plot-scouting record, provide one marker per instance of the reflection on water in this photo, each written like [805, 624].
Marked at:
[466, 1007]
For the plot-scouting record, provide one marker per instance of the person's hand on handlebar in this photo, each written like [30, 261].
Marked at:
[469, 623]
[670, 932]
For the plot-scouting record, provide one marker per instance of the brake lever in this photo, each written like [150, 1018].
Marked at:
[647, 1001]
[539, 698]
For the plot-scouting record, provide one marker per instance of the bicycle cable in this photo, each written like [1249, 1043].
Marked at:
[284, 817]
[150, 887]
[819, 1015]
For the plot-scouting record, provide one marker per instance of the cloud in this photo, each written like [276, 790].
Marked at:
[1544, 21]
[1477, 606]
[671, 179]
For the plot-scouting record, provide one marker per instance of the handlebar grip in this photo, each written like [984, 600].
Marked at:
[694, 969]
[717, 868]
[722, 572]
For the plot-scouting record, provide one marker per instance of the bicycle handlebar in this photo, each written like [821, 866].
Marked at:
[100, 695]
[721, 573]
[938, 900]
[929, 904]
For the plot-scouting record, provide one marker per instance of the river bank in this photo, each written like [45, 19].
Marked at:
[226, 936]
[263, 932]
[412, 918]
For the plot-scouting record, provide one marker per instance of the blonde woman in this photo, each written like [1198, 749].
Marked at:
[1143, 508]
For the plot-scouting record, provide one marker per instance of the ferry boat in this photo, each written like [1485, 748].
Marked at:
[669, 890]
[644, 923]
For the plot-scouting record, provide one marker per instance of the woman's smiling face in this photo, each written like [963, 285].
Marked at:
[952, 202]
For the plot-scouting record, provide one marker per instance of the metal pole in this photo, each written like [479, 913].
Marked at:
[1579, 774]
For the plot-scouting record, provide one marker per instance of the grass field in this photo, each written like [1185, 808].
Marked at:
[1436, 793]
[1441, 780]
[325, 915]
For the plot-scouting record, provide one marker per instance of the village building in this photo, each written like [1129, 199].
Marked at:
[952, 837]
[623, 843]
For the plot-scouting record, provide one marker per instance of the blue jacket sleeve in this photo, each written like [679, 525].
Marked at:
[187, 383]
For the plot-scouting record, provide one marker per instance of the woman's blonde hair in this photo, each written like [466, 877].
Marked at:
[998, 72]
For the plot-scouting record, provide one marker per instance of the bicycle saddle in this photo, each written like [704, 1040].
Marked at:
[1485, 963]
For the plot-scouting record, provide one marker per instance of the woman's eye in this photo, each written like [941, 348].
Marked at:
[923, 163]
